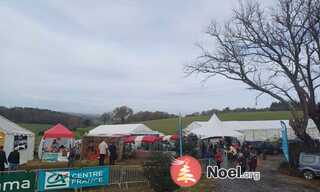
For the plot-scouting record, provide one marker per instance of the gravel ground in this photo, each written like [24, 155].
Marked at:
[271, 180]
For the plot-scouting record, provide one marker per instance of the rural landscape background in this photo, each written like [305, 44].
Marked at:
[39, 120]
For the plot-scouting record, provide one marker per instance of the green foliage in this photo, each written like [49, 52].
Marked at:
[157, 170]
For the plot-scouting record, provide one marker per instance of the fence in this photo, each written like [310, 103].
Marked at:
[119, 175]
[123, 175]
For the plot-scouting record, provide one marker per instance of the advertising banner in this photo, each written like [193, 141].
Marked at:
[284, 140]
[73, 178]
[17, 181]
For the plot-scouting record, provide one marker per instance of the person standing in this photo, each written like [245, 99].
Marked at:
[103, 146]
[55, 146]
[113, 153]
[71, 157]
[14, 159]
[242, 162]
[253, 162]
[218, 157]
[3, 159]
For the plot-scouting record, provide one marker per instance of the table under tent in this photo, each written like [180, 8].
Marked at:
[56, 143]
[12, 136]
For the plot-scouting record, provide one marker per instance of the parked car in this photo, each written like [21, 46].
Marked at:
[266, 147]
[309, 165]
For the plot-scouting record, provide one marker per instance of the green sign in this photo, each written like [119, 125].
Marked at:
[17, 181]
[73, 178]
[50, 157]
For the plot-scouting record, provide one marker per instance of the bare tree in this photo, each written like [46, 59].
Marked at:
[106, 117]
[121, 114]
[274, 51]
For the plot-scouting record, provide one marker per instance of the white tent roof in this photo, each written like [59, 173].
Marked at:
[120, 129]
[255, 125]
[11, 128]
[207, 132]
[215, 127]
[214, 121]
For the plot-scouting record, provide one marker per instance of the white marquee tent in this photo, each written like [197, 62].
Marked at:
[122, 129]
[251, 130]
[208, 132]
[13, 136]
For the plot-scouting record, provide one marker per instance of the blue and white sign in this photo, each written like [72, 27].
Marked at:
[73, 178]
[284, 140]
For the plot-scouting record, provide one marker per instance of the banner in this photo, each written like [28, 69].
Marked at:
[50, 157]
[17, 181]
[20, 142]
[284, 140]
[73, 178]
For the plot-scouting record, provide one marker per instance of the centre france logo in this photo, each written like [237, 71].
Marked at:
[185, 171]
[56, 180]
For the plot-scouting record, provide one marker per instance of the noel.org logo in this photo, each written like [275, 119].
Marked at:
[185, 171]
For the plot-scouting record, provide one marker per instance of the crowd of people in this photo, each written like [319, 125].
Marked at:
[237, 155]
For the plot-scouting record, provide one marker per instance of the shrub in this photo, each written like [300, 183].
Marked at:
[157, 170]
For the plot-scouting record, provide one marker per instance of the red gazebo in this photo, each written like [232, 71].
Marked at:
[58, 131]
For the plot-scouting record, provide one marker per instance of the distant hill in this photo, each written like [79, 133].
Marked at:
[41, 116]
[170, 126]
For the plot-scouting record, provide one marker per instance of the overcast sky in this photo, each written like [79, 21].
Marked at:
[92, 56]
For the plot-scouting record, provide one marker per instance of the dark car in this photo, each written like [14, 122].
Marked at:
[265, 147]
[309, 165]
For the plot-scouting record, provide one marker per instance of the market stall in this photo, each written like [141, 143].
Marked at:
[126, 137]
[258, 130]
[56, 143]
[12, 136]
[89, 145]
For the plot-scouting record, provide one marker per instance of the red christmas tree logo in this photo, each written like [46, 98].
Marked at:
[185, 171]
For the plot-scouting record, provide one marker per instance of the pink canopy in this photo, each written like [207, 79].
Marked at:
[143, 139]
[129, 139]
[58, 131]
[150, 139]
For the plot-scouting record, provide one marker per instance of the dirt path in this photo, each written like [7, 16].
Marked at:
[271, 180]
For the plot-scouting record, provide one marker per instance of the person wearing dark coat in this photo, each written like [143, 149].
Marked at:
[253, 162]
[3, 159]
[14, 159]
[113, 154]
[71, 157]
[242, 162]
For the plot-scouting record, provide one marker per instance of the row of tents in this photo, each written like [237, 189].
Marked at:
[246, 130]
[12, 136]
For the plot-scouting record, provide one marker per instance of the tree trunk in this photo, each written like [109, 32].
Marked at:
[299, 127]
[315, 115]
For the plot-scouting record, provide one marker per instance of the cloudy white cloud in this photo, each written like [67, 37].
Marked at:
[91, 56]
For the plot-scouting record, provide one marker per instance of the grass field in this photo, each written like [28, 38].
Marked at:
[170, 126]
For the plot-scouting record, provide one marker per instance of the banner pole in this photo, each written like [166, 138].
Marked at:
[180, 133]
